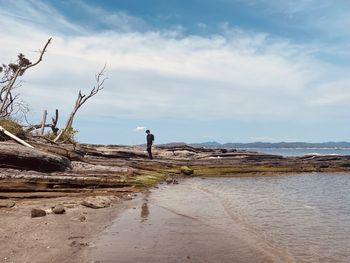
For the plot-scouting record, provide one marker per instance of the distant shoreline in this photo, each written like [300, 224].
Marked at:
[279, 145]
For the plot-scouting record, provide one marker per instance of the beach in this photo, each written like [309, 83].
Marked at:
[193, 204]
[286, 218]
[55, 237]
[249, 219]
[142, 229]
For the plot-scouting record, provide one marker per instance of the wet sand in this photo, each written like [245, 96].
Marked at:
[177, 223]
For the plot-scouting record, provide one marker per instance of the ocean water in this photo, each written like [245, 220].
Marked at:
[300, 151]
[305, 218]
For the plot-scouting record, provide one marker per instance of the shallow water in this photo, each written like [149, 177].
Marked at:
[301, 151]
[307, 216]
[174, 224]
[297, 218]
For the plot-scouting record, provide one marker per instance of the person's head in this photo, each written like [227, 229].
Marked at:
[148, 131]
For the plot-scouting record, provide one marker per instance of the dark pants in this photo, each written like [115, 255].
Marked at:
[149, 150]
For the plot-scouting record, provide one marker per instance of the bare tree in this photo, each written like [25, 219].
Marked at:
[54, 123]
[81, 99]
[43, 124]
[9, 81]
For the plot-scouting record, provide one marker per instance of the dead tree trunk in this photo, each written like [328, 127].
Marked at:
[54, 123]
[43, 123]
[81, 99]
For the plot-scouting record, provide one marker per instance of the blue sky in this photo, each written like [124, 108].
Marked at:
[192, 71]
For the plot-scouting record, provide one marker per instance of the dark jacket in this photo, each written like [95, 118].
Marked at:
[150, 139]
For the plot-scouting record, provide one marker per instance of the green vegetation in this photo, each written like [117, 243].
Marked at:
[13, 127]
[238, 170]
[67, 137]
[149, 179]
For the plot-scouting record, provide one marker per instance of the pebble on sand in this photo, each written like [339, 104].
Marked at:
[58, 209]
[37, 212]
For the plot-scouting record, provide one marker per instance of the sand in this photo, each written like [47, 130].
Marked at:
[53, 238]
[169, 223]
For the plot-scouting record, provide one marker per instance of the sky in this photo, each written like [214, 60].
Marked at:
[188, 70]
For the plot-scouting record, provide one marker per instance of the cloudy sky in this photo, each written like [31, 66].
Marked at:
[188, 70]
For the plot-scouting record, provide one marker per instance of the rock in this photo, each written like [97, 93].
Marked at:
[127, 197]
[58, 209]
[75, 237]
[111, 151]
[11, 204]
[7, 204]
[186, 170]
[24, 158]
[36, 212]
[82, 218]
[169, 180]
[59, 150]
[96, 202]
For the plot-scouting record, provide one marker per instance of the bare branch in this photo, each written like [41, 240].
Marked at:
[54, 123]
[42, 52]
[81, 99]
[11, 72]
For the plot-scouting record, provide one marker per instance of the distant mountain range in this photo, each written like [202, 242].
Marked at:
[293, 145]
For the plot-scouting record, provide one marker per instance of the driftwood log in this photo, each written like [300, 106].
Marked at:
[9, 134]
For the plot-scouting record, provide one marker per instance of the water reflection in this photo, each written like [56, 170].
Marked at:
[144, 212]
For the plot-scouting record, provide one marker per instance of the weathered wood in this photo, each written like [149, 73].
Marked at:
[59, 135]
[35, 127]
[15, 137]
[42, 129]
[81, 99]
[54, 123]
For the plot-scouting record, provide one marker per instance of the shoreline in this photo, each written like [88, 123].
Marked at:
[178, 223]
[61, 170]
[114, 172]
[194, 215]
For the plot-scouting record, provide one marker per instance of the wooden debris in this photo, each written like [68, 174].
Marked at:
[15, 137]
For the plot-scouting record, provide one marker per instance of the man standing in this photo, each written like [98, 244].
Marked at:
[150, 139]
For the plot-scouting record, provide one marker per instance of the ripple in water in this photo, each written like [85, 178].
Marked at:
[307, 216]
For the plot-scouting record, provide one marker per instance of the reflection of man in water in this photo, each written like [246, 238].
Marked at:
[150, 139]
[144, 212]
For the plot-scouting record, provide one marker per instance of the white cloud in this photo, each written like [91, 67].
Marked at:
[140, 129]
[34, 12]
[157, 74]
